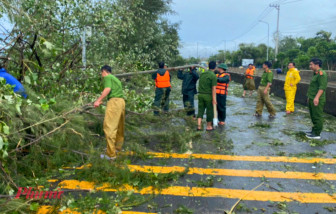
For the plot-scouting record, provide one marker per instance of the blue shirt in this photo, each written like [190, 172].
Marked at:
[18, 87]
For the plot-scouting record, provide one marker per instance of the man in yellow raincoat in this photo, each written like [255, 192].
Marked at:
[292, 79]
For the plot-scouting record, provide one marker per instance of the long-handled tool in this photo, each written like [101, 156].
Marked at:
[215, 119]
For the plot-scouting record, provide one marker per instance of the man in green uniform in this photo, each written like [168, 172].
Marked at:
[189, 89]
[114, 121]
[207, 96]
[316, 98]
[263, 91]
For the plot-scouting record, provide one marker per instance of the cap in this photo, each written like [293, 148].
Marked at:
[223, 66]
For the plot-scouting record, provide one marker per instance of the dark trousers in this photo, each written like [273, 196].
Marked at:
[161, 100]
[316, 114]
[188, 103]
[221, 107]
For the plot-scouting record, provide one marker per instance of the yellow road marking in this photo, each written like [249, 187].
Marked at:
[209, 192]
[245, 158]
[228, 172]
[48, 209]
[236, 173]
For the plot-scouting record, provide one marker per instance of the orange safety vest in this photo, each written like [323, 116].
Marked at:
[222, 88]
[162, 81]
[250, 72]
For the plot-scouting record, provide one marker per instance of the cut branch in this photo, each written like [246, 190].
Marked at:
[152, 71]
[40, 138]
[54, 118]
[7, 176]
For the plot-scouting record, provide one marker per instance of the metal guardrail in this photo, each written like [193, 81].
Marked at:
[306, 75]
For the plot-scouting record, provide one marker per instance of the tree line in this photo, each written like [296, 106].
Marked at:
[300, 50]
[45, 38]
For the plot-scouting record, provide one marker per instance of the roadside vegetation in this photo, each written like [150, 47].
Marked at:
[56, 127]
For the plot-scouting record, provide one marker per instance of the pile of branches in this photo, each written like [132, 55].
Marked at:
[40, 141]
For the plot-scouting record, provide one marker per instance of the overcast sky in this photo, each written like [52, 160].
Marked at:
[214, 24]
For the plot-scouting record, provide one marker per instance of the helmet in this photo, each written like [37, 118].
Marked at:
[223, 66]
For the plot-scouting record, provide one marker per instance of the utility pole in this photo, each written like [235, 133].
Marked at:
[197, 51]
[267, 37]
[84, 48]
[224, 50]
[277, 6]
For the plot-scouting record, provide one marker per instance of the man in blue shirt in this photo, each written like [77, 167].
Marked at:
[18, 87]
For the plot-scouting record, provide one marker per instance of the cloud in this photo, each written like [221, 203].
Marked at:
[211, 23]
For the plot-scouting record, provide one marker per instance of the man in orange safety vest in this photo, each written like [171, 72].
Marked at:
[162, 89]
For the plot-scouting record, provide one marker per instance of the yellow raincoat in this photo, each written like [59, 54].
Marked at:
[292, 79]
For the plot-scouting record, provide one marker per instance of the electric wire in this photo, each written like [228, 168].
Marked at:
[262, 15]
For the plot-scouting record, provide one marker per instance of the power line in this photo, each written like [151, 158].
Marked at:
[292, 1]
[303, 27]
[262, 15]
[279, 2]
[262, 39]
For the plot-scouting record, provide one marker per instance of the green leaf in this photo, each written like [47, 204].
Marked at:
[35, 77]
[27, 80]
[48, 45]
[9, 98]
[52, 101]
[43, 101]
[5, 154]
[45, 107]
[18, 109]
[34, 206]
[1, 143]
[5, 129]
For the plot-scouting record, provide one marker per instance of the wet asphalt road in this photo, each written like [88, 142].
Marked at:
[281, 136]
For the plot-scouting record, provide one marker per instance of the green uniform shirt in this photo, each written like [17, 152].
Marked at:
[318, 82]
[267, 77]
[207, 80]
[114, 84]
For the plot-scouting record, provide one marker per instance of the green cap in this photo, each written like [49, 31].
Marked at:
[223, 66]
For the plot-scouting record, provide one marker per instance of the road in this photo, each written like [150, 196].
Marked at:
[268, 166]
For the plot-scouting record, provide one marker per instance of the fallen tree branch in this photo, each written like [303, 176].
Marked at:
[93, 114]
[74, 151]
[38, 139]
[7, 176]
[234, 206]
[54, 118]
[7, 196]
[77, 133]
[136, 113]
[152, 71]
